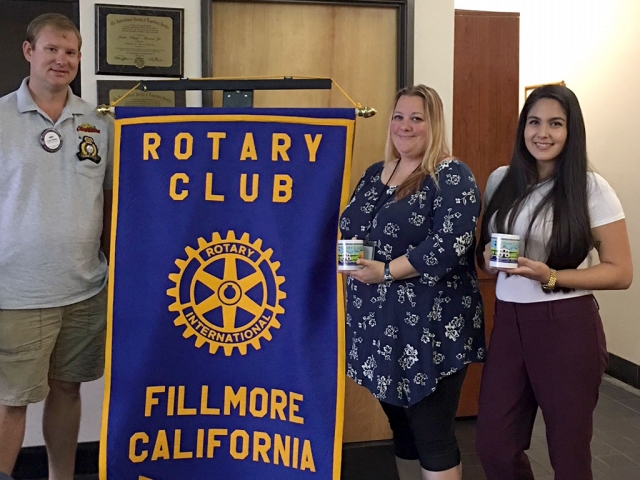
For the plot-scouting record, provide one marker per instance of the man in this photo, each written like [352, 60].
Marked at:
[55, 194]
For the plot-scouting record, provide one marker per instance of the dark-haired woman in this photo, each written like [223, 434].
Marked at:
[547, 347]
[414, 313]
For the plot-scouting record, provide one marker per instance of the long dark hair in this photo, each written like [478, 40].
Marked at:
[571, 237]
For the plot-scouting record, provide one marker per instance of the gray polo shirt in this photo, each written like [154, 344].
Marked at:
[51, 204]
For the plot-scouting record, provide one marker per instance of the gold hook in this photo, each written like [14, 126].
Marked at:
[366, 112]
[104, 109]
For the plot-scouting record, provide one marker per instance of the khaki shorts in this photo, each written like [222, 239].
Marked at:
[62, 343]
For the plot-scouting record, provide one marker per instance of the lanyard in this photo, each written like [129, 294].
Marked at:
[383, 198]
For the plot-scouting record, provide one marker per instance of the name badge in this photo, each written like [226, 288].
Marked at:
[50, 140]
[368, 250]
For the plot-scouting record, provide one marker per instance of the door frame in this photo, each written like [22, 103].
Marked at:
[405, 9]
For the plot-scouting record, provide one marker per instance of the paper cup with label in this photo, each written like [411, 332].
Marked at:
[349, 251]
[505, 249]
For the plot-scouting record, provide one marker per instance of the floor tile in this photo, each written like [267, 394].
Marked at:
[617, 461]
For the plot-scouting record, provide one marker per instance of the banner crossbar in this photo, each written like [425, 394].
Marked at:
[240, 84]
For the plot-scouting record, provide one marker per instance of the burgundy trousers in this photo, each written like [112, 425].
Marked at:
[550, 355]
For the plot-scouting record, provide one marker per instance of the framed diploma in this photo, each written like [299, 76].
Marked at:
[112, 90]
[141, 41]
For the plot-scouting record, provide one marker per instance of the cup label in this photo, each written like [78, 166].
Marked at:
[348, 255]
[504, 252]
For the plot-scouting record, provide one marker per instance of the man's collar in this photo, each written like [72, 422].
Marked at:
[26, 103]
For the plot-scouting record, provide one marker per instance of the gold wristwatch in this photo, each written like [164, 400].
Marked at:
[551, 284]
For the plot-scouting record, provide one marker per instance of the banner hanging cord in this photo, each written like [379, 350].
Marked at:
[361, 111]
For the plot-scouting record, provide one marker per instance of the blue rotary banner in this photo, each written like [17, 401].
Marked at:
[225, 348]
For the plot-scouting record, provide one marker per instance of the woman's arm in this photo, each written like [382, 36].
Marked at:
[615, 271]
[373, 270]
[454, 213]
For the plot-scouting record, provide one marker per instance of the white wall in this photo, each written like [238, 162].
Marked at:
[433, 51]
[592, 46]
[433, 66]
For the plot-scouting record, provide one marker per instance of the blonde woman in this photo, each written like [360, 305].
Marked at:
[414, 312]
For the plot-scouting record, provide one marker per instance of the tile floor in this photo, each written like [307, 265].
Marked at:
[615, 446]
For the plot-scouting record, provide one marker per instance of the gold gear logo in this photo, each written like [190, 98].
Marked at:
[227, 293]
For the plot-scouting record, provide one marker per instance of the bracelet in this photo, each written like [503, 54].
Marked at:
[551, 284]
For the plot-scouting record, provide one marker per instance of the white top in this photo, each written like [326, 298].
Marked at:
[604, 208]
[51, 203]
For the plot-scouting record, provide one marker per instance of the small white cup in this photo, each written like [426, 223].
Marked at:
[505, 249]
[349, 251]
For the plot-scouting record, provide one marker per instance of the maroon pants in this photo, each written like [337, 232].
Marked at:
[550, 355]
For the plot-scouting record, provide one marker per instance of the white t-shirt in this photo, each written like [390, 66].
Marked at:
[604, 208]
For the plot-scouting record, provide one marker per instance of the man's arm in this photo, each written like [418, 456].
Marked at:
[105, 239]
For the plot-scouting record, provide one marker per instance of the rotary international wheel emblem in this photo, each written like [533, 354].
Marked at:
[227, 293]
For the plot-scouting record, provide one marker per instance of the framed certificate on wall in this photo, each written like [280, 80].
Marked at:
[110, 91]
[141, 41]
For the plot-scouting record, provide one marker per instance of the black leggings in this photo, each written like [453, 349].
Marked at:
[426, 430]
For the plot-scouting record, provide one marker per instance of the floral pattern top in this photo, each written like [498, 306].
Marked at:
[404, 336]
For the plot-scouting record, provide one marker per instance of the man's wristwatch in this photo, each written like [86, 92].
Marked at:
[551, 284]
[387, 274]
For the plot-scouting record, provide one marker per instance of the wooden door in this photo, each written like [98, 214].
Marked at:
[354, 45]
[485, 117]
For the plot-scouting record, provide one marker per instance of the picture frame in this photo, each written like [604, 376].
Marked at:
[111, 90]
[139, 41]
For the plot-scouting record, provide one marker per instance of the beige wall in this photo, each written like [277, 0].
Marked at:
[433, 55]
[593, 47]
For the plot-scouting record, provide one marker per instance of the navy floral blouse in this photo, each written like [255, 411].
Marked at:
[404, 336]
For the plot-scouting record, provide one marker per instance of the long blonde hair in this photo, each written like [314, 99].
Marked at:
[437, 147]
